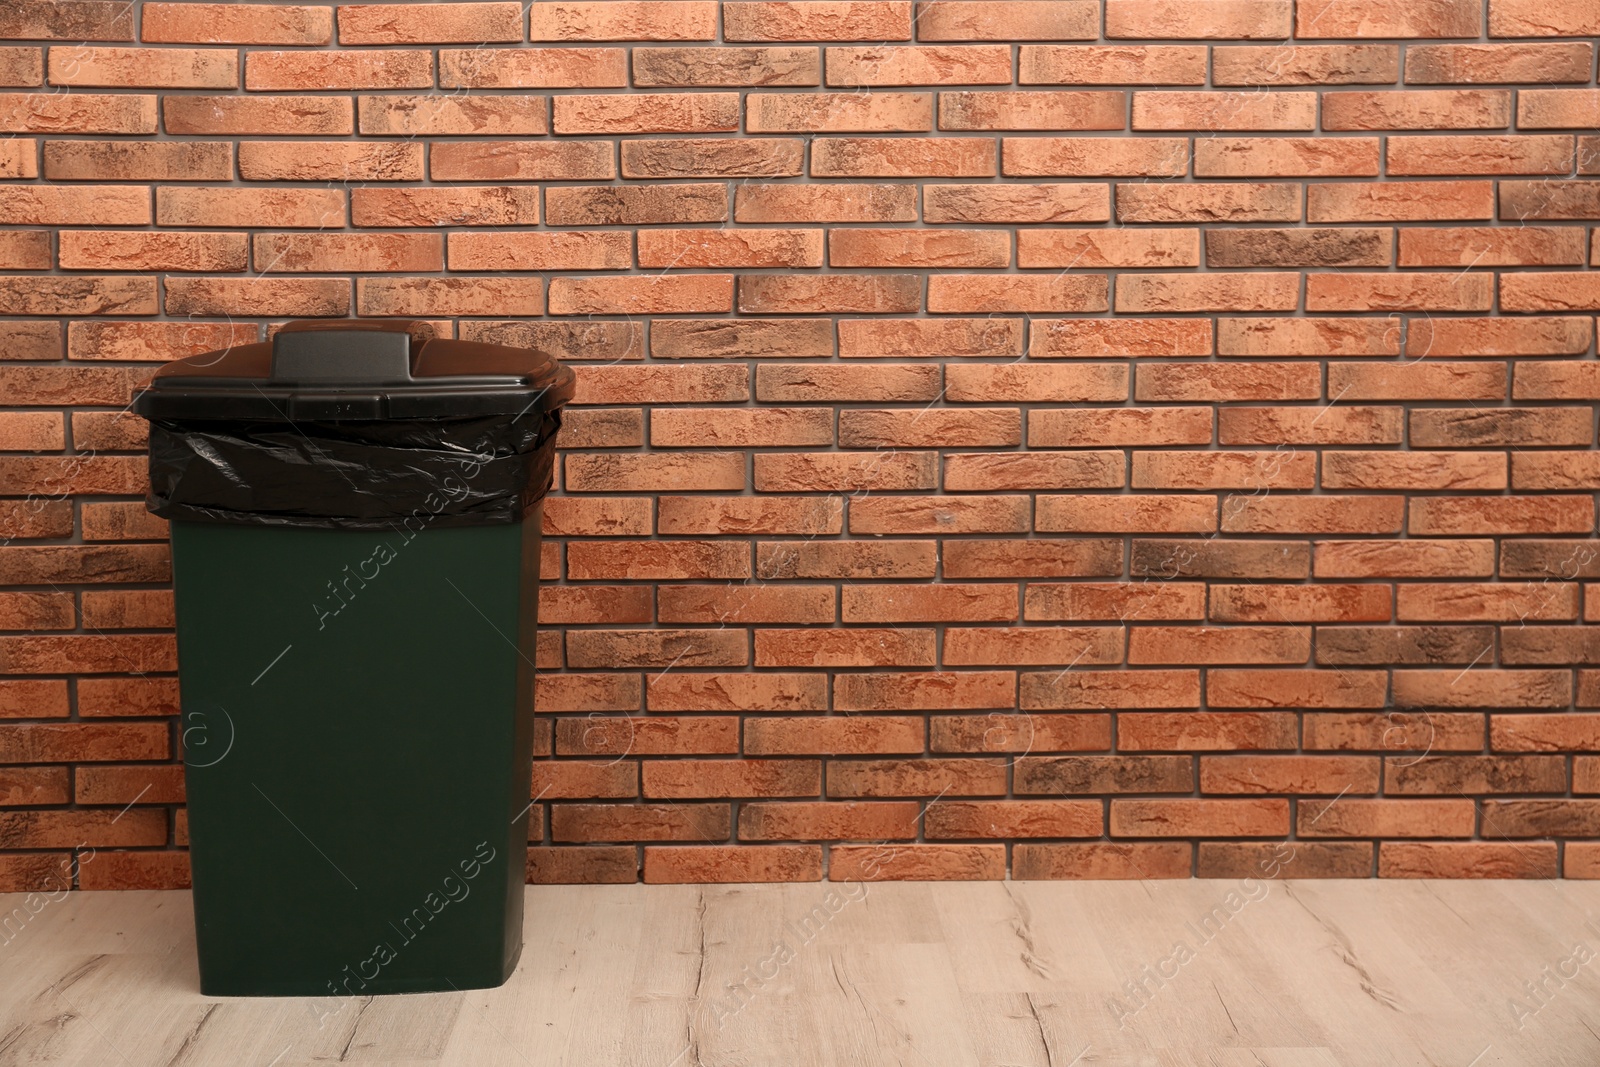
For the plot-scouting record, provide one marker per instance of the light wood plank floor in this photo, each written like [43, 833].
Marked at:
[1020, 974]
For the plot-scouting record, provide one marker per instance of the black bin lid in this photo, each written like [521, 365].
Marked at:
[355, 369]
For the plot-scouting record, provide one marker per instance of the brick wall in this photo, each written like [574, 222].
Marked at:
[1068, 439]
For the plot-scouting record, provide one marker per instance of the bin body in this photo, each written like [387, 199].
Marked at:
[357, 607]
[357, 717]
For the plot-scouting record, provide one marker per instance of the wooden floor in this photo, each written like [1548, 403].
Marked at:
[1026, 974]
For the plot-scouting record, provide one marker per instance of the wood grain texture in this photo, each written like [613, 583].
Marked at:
[1023, 974]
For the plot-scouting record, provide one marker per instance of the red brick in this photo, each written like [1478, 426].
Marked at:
[1549, 291]
[1525, 18]
[817, 20]
[693, 778]
[1286, 157]
[942, 691]
[1014, 818]
[883, 382]
[1412, 558]
[448, 296]
[593, 604]
[1558, 109]
[902, 157]
[653, 295]
[939, 515]
[728, 248]
[725, 66]
[1166, 513]
[425, 23]
[1417, 380]
[836, 735]
[855, 647]
[1417, 109]
[1221, 110]
[1386, 818]
[1462, 859]
[740, 338]
[1298, 859]
[1102, 110]
[123, 250]
[1099, 338]
[631, 20]
[77, 295]
[916, 777]
[844, 471]
[1389, 18]
[1483, 687]
[1088, 249]
[376, 69]
[1151, 157]
[1399, 201]
[1157, 859]
[1174, 382]
[1446, 63]
[885, 862]
[669, 472]
[1307, 336]
[891, 65]
[656, 648]
[1415, 291]
[88, 205]
[647, 113]
[112, 697]
[532, 68]
[1011, 731]
[1261, 470]
[828, 820]
[1017, 293]
[300, 115]
[732, 863]
[1007, 20]
[1394, 732]
[813, 559]
[1140, 689]
[37, 611]
[1358, 64]
[1033, 470]
[33, 786]
[1056, 64]
[1457, 516]
[1463, 154]
[656, 735]
[587, 692]
[1556, 381]
[19, 158]
[402, 116]
[99, 828]
[1207, 202]
[1198, 18]
[585, 865]
[1016, 202]
[332, 161]
[1209, 645]
[825, 203]
[698, 691]
[1300, 604]
[657, 559]
[1195, 818]
[1490, 246]
[77, 113]
[1328, 775]
[1312, 515]
[226, 23]
[916, 248]
[640, 822]
[839, 112]
[21, 66]
[167, 68]
[1461, 775]
[1231, 688]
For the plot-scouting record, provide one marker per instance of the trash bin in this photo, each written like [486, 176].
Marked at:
[355, 533]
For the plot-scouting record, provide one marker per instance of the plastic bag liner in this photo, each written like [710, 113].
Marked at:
[354, 426]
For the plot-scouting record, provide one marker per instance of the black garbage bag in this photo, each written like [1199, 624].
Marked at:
[354, 425]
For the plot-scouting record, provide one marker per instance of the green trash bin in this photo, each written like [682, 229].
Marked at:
[355, 534]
